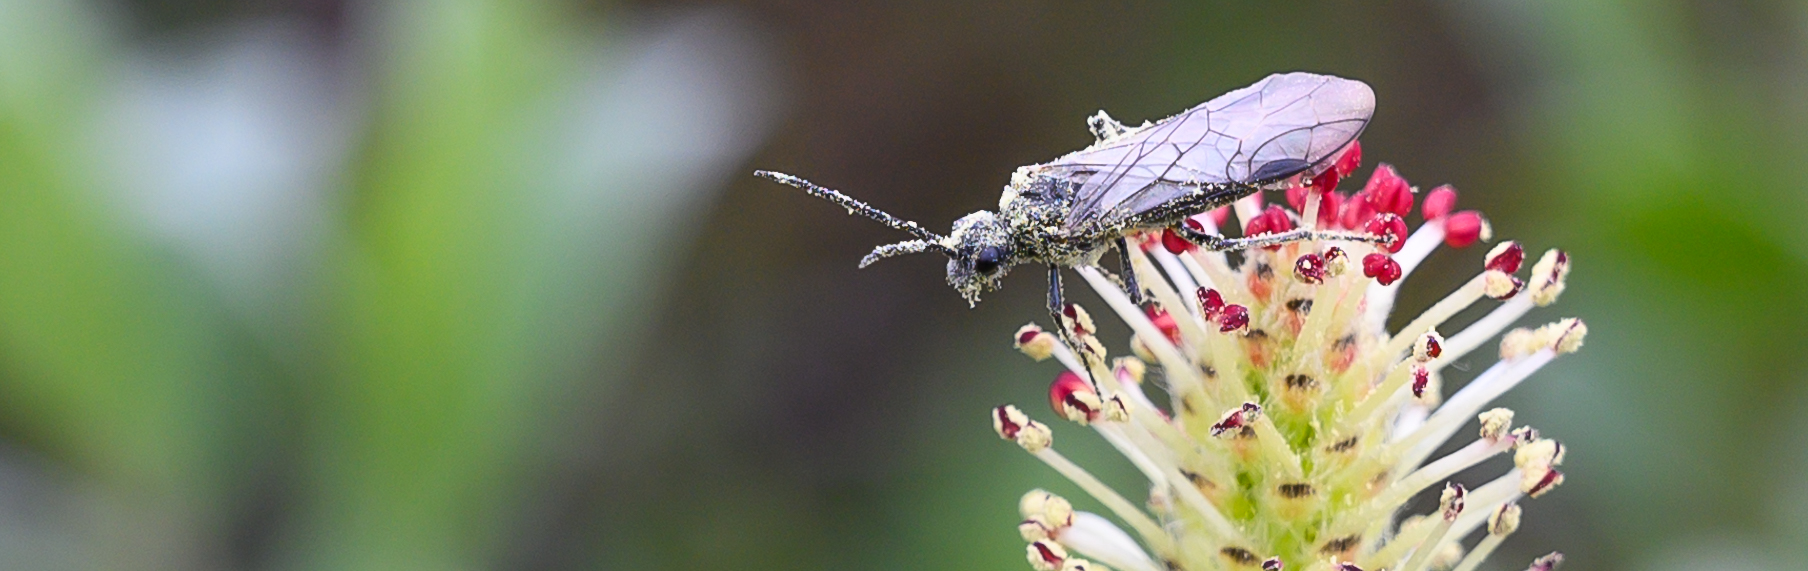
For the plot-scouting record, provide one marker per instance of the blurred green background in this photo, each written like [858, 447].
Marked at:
[464, 284]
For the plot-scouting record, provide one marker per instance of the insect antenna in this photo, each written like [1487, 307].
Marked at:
[899, 249]
[929, 241]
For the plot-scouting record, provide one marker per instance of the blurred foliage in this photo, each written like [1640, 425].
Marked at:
[516, 326]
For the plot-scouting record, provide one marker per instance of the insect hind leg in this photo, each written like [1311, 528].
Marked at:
[1218, 243]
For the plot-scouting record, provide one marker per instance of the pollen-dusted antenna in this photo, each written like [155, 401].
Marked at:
[930, 241]
[899, 249]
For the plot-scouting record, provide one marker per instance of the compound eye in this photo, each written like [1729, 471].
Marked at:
[987, 260]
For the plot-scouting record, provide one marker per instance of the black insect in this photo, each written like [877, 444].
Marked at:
[1067, 212]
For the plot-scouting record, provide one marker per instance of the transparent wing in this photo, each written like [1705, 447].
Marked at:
[1283, 125]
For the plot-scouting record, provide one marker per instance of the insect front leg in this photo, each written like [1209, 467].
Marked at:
[1218, 243]
[1130, 285]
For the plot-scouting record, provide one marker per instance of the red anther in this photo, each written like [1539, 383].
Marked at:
[1328, 203]
[1211, 304]
[1278, 221]
[1454, 494]
[1506, 290]
[1349, 160]
[1388, 224]
[1382, 267]
[1272, 220]
[1433, 348]
[1237, 418]
[1219, 215]
[1420, 379]
[1310, 268]
[1008, 427]
[1234, 317]
[1508, 258]
[1439, 202]
[1359, 208]
[1325, 181]
[1464, 228]
[1256, 225]
[1337, 261]
[1194, 224]
[1048, 554]
[1272, 564]
[1074, 316]
[1165, 323]
[1334, 253]
[1551, 478]
[1174, 243]
[1328, 207]
[1547, 563]
[1388, 191]
[1028, 336]
[1070, 392]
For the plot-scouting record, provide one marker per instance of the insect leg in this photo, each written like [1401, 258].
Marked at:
[1057, 313]
[1219, 243]
[1130, 285]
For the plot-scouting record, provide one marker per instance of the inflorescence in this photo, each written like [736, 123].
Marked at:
[1296, 426]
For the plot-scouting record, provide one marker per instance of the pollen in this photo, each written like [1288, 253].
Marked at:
[1276, 415]
[1035, 342]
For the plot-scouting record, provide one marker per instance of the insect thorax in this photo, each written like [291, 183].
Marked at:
[1035, 208]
